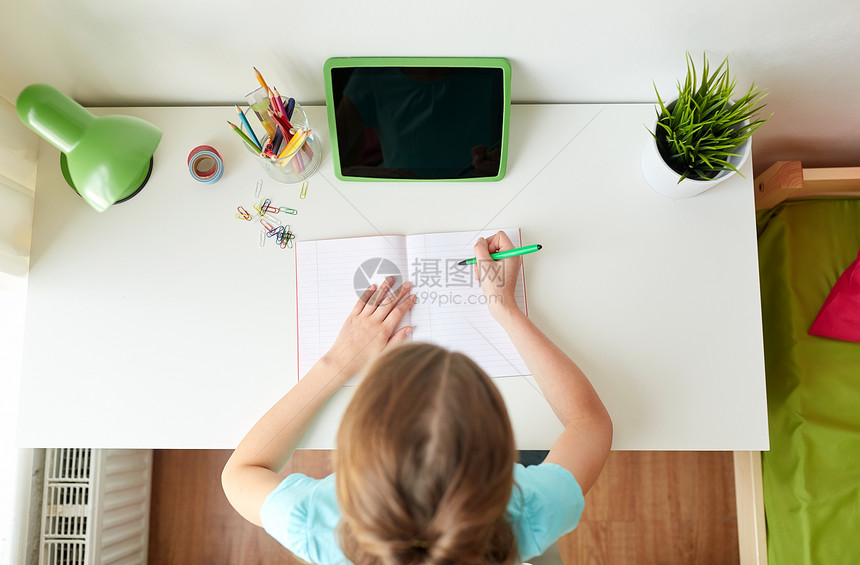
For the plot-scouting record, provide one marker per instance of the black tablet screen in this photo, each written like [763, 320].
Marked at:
[418, 122]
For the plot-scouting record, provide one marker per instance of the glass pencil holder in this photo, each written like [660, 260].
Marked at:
[298, 163]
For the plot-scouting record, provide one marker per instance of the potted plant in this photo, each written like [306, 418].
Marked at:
[703, 136]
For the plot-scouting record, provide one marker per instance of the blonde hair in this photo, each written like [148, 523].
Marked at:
[424, 463]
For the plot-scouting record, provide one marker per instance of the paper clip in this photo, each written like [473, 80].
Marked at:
[291, 211]
[243, 214]
[269, 227]
[275, 231]
[257, 188]
[286, 238]
[262, 238]
[272, 210]
[304, 191]
[262, 208]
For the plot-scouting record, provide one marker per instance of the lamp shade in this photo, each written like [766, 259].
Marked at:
[106, 159]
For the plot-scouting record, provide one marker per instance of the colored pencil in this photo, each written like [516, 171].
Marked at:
[244, 137]
[295, 142]
[278, 139]
[281, 121]
[260, 79]
[279, 102]
[251, 135]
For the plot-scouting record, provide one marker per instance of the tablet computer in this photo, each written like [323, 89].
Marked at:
[418, 118]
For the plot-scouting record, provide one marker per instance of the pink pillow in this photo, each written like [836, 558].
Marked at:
[839, 318]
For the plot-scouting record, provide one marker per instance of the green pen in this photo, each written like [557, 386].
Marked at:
[502, 254]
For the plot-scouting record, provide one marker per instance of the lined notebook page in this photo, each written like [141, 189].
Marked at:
[452, 310]
[330, 276]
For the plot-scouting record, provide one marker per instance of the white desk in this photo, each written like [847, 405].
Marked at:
[161, 323]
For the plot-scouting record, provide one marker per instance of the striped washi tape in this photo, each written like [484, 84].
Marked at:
[205, 164]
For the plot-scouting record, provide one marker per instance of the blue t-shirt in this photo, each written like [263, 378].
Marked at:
[302, 513]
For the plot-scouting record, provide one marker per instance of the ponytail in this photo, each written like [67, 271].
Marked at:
[424, 464]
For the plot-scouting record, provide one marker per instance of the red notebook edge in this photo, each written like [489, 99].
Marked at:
[296, 265]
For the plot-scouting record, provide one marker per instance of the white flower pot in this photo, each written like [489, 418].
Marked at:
[664, 179]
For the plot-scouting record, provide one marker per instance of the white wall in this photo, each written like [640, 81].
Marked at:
[16, 463]
[108, 52]
[18, 155]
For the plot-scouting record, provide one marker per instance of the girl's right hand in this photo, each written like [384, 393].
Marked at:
[370, 328]
[498, 279]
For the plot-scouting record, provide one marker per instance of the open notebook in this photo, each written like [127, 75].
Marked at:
[451, 310]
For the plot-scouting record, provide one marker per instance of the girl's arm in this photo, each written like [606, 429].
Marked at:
[584, 445]
[251, 473]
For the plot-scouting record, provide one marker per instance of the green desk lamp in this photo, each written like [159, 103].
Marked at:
[106, 159]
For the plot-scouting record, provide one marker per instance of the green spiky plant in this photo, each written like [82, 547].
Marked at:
[698, 133]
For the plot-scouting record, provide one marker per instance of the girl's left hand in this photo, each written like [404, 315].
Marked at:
[369, 328]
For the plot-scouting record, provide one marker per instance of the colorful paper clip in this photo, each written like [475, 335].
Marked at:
[272, 227]
[285, 239]
[275, 231]
[243, 214]
[304, 191]
[266, 207]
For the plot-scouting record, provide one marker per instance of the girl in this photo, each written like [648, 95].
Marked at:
[425, 463]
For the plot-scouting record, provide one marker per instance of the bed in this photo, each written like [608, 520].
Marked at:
[799, 503]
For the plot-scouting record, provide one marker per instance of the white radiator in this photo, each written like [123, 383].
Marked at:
[95, 507]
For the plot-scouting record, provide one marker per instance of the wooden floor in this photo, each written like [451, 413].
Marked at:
[647, 508]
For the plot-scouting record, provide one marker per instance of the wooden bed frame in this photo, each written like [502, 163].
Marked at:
[789, 179]
[783, 180]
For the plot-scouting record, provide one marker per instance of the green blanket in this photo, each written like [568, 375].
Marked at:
[812, 472]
